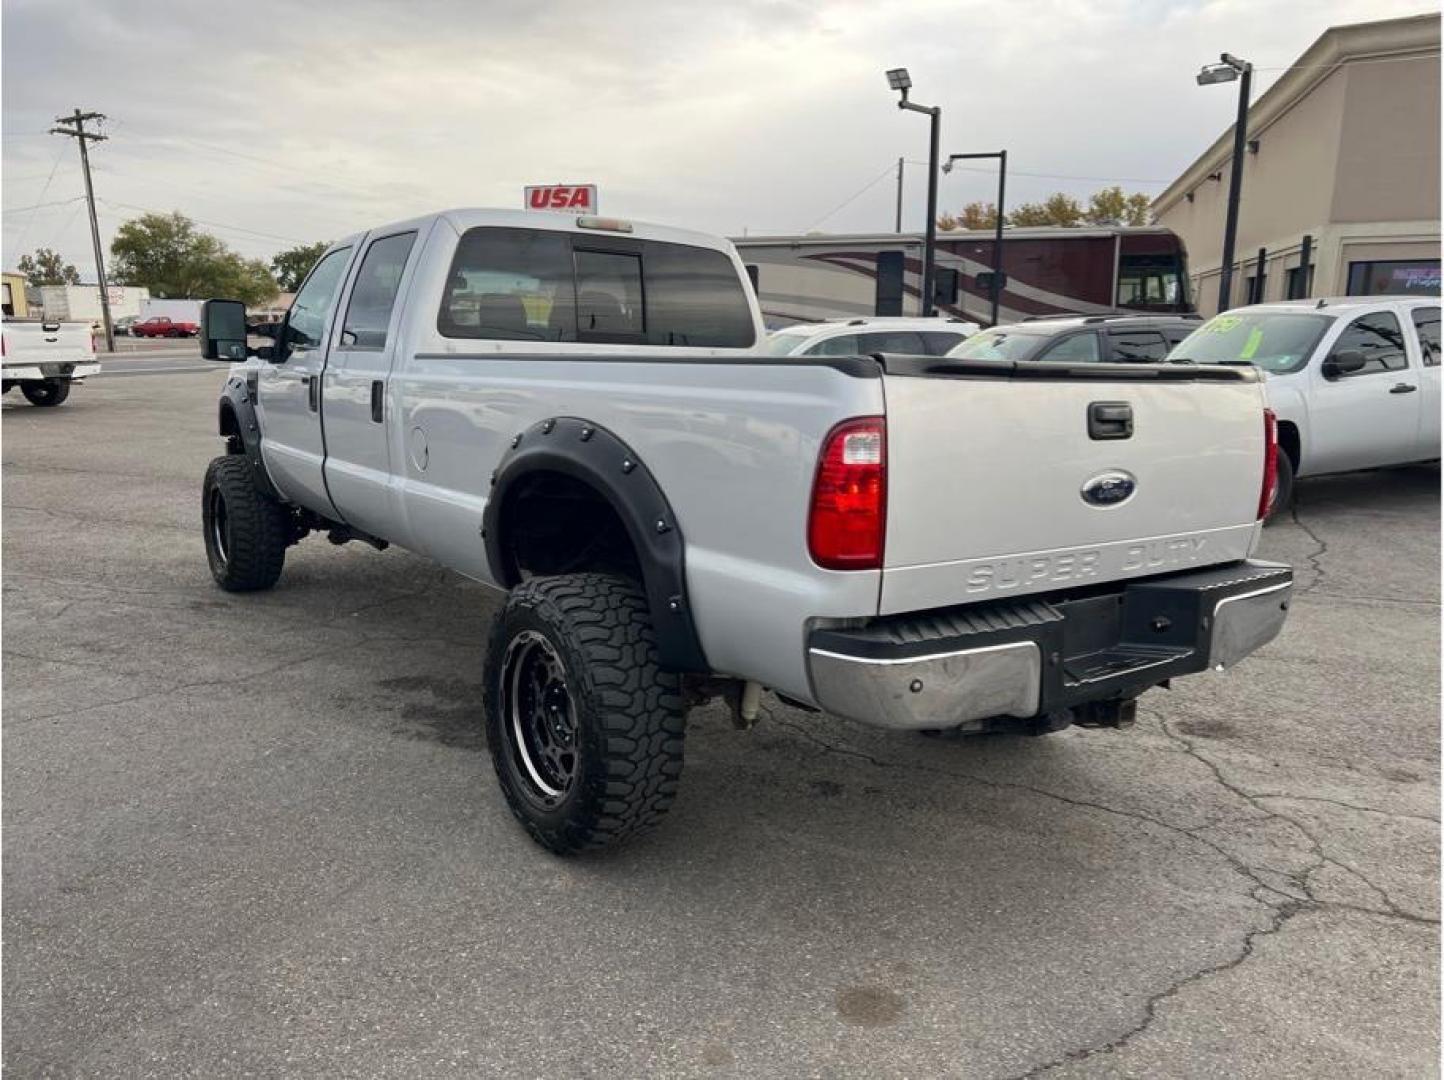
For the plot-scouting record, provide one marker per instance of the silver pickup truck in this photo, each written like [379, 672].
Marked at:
[579, 412]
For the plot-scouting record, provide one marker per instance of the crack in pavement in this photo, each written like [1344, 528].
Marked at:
[1281, 910]
[1315, 557]
[176, 688]
[1286, 797]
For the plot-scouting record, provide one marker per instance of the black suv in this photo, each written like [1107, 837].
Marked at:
[1081, 338]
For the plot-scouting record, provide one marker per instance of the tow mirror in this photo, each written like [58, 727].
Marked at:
[1344, 362]
[223, 330]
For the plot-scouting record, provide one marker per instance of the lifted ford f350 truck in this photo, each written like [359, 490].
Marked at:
[577, 411]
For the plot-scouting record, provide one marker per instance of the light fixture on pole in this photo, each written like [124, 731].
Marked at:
[1228, 69]
[997, 281]
[899, 79]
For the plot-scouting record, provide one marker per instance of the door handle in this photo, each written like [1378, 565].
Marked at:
[378, 400]
[1110, 420]
[1403, 388]
[312, 383]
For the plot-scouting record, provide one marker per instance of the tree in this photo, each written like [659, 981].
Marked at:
[47, 268]
[1111, 207]
[1057, 209]
[291, 266]
[976, 215]
[168, 255]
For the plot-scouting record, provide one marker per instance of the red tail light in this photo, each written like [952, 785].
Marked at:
[847, 522]
[1271, 464]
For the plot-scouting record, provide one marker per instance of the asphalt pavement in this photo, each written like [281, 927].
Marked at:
[259, 835]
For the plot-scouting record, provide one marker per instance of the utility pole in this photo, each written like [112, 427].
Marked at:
[898, 228]
[76, 130]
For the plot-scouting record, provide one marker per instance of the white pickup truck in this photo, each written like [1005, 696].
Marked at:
[1353, 380]
[45, 359]
[578, 412]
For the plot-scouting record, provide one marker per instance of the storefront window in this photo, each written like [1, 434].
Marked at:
[1404, 277]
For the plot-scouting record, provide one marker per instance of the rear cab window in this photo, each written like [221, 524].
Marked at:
[539, 285]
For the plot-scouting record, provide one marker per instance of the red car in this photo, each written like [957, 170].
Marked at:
[160, 326]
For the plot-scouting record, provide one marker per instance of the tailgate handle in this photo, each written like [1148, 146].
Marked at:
[1110, 420]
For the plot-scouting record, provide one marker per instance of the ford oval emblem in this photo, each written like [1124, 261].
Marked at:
[1109, 488]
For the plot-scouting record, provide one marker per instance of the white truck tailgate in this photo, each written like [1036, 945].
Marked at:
[997, 486]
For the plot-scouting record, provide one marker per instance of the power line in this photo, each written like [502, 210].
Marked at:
[212, 224]
[1057, 176]
[37, 206]
[25, 230]
[857, 195]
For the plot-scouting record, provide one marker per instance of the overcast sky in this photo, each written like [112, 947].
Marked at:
[285, 122]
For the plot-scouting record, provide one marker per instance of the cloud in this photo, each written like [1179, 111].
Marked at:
[308, 121]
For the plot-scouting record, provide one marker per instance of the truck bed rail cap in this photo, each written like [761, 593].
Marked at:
[944, 367]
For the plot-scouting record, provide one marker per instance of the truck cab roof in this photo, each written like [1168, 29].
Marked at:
[464, 218]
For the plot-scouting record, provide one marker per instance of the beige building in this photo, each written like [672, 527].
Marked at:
[15, 305]
[1342, 161]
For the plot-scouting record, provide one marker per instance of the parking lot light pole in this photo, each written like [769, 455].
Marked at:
[998, 280]
[901, 81]
[1229, 69]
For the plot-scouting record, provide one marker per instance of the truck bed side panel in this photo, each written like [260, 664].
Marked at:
[732, 444]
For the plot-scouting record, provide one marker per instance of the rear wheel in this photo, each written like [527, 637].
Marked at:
[585, 728]
[1283, 490]
[245, 529]
[48, 393]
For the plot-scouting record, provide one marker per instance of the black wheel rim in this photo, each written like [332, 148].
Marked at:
[218, 526]
[540, 718]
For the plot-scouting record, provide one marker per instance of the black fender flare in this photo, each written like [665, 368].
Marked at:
[590, 453]
[236, 419]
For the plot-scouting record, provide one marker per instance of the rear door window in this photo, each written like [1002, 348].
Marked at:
[1075, 348]
[368, 312]
[1378, 337]
[1136, 345]
[1426, 324]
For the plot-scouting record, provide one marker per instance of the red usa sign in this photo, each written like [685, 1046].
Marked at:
[579, 197]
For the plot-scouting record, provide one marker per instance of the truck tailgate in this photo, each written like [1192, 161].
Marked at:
[1012, 478]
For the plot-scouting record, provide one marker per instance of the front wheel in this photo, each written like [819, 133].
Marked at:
[585, 728]
[46, 394]
[245, 529]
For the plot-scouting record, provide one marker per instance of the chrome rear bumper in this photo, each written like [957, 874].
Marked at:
[1041, 655]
